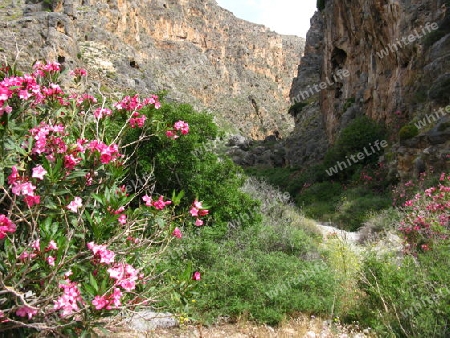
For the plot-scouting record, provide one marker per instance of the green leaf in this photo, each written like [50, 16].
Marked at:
[55, 227]
[97, 198]
[93, 282]
[76, 174]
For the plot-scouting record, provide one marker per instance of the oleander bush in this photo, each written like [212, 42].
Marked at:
[72, 250]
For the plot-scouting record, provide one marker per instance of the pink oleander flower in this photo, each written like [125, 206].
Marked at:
[107, 153]
[100, 251]
[108, 302]
[25, 189]
[137, 120]
[197, 210]
[177, 233]
[115, 299]
[36, 245]
[6, 225]
[75, 204]
[148, 200]
[100, 302]
[70, 299]
[194, 212]
[32, 200]
[409, 203]
[39, 172]
[203, 212]
[78, 72]
[14, 176]
[102, 112]
[171, 134]
[51, 246]
[196, 275]
[26, 311]
[71, 161]
[197, 204]
[25, 255]
[160, 204]
[198, 222]
[182, 126]
[122, 219]
[51, 260]
[152, 100]
[5, 109]
[125, 275]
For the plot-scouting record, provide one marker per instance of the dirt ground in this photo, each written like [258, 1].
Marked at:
[302, 327]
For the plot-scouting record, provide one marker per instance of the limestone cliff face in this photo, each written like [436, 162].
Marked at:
[390, 69]
[196, 50]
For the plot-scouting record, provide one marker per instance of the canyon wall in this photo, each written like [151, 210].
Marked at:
[197, 51]
[397, 55]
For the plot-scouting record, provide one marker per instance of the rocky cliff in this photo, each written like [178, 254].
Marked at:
[396, 57]
[196, 50]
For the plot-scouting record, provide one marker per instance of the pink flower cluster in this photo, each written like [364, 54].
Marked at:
[54, 93]
[101, 254]
[26, 311]
[108, 302]
[47, 140]
[177, 233]
[198, 211]
[107, 153]
[427, 218]
[75, 204]
[125, 275]
[20, 186]
[78, 72]
[84, 100]
[178, 127]
[159, 204]
[134, 103]
[24, 87]
[137, 120]
[6, 225]
[70, 299]
[122, 217]
[42, 69]
[100, 112]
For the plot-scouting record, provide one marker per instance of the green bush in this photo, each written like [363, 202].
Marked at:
[198, 171]
[257, 273]
[409, 299]
[407, 132]
[361, 133]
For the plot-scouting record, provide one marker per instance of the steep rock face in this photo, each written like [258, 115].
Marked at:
[308, 142]
[196, 50]
[389, 69]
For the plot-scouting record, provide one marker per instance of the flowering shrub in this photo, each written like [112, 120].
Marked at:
[427, 218]
[72, 250]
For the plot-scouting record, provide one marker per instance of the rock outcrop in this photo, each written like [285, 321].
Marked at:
[397, 56]
[196, 50]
